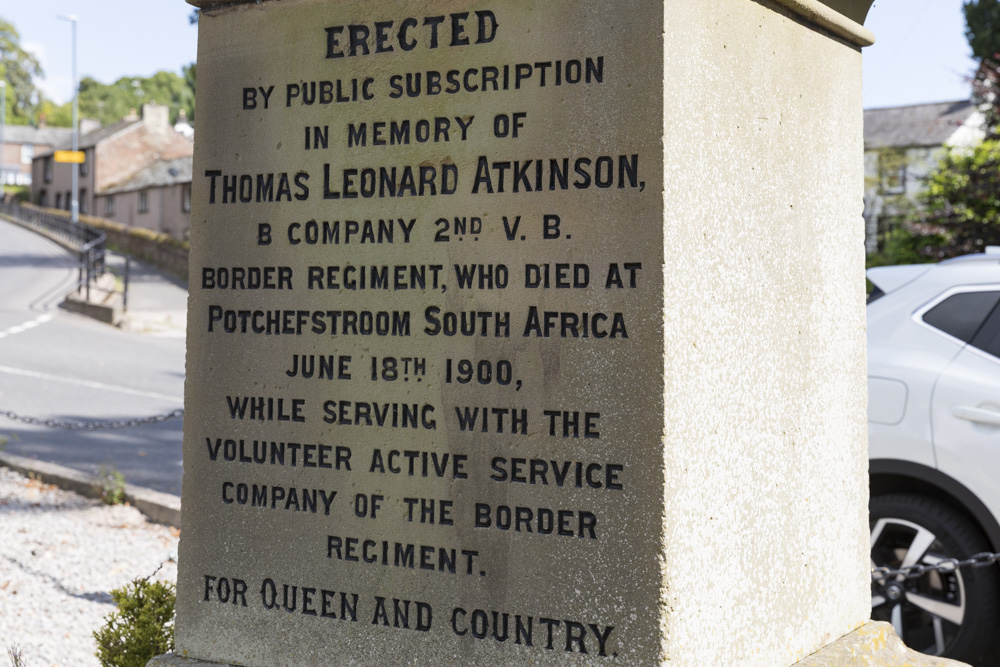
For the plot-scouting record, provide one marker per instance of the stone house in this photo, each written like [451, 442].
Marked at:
[157, 197]
[21, 144]
[127, 157]
[902, 146]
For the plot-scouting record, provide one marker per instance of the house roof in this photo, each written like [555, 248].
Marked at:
[94, 137]
[916, 125]
[161, 173]
[38, 136]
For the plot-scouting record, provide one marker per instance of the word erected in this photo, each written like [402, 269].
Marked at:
[386, 36]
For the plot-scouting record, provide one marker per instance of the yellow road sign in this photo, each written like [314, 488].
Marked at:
[69, 156]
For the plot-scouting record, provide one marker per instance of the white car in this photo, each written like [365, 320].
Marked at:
[934, 450]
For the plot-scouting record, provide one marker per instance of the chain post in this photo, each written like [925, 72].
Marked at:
[128, 263]
[88, 275]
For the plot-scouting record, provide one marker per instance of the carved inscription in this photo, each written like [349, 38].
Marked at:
[428, 312]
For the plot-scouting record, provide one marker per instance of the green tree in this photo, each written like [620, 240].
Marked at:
[189, 72]
[962, 197]
[109, 103]
[19, 69]
[982, 21]
[986, 93]
[56, 115]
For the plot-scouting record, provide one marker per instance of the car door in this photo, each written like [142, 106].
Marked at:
[965, 407]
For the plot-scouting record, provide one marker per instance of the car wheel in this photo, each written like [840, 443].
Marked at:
[949, 614]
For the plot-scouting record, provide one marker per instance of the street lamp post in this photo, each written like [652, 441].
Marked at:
[3, 143]
[75, 208]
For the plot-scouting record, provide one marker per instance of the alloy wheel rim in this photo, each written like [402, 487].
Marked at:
[926, 612]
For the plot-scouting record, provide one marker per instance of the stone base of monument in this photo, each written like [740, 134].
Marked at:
[649, 464]
[874, 644]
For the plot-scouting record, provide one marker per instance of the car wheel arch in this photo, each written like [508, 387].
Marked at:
[894, 476]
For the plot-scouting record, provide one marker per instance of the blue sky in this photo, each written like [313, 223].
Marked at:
[115, 38]
[921, 54]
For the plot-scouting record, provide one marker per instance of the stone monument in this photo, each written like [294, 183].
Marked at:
[525, 332]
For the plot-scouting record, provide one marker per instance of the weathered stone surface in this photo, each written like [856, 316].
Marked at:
[873, 645]
[662, 425]
[174, 660]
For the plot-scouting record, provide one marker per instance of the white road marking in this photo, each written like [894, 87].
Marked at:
[88, 383]
[21, 328]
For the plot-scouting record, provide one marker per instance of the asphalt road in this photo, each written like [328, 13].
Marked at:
[62, 366]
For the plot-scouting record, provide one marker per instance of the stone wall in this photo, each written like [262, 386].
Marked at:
[163, 252]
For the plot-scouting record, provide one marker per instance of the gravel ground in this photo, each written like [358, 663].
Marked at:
[60, 556]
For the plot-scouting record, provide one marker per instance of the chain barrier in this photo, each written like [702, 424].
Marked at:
[70, 425]
[881, 575]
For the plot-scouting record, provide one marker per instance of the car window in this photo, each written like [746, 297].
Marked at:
[876, 293]
[961, 315]
[987, 338]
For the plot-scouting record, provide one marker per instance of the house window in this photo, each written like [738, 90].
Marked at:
[43, 198]
[83, 165]
[894, 181]
[69, 201]
[58, 200]
[83, 201]
[143, 202]
[892, 172]
[48, 172]
[186, 198]
[109, 205]
[27, 153]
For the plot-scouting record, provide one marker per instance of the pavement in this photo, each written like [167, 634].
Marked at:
[155, 305]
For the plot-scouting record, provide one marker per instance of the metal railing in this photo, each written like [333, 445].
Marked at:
[89, 242]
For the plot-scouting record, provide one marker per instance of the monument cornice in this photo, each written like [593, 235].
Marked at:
[843, 18]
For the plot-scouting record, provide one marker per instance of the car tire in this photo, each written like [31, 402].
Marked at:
[949, 614]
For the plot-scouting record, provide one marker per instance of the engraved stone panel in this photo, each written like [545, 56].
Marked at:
[424, 380]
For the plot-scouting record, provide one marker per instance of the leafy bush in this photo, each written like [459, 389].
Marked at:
[962, 198]
[112, 486]
[143, 626]
[907, 246]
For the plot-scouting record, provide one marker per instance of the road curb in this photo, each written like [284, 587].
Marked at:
[159, 507]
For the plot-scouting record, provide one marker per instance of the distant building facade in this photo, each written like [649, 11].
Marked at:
[21, 144]
[129, 168]
[903, 145]
[157, 197]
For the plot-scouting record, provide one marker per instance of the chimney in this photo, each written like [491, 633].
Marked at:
[156, 117]
[41, 121]
[132, 115]
[182, 126]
